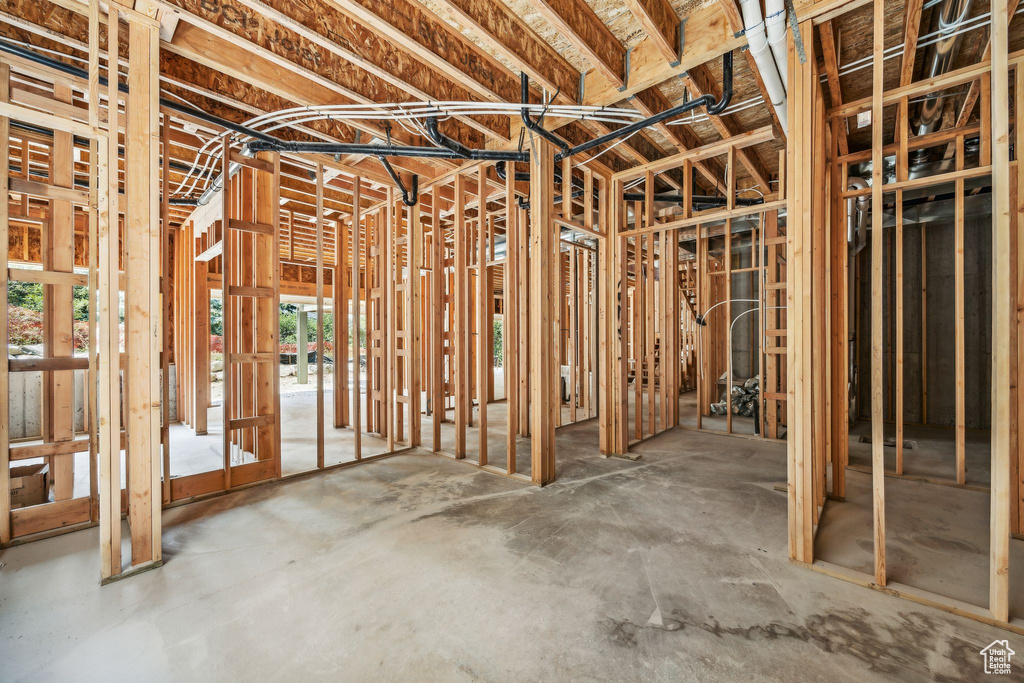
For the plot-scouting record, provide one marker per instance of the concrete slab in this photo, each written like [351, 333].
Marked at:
[415, 567]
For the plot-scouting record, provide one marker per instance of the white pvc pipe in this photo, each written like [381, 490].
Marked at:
[775, 25]
[754, 27]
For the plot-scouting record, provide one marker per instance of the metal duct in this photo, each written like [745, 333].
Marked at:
[857, 216]
[938, 59]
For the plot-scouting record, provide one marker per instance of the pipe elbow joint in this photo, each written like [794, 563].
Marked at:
[723, 102]
[442, 140]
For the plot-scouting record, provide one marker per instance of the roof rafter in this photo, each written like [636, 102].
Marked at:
[422, 34]
[700, 82]
[661, 24]
[519, 44]
[322, 24]
[830, 58]
[243, 28]
[578, 23]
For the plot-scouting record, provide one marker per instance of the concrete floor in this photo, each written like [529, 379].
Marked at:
[937, 536]
[672, 567]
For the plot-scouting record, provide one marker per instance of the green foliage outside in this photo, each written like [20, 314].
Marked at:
[29, 295]
[497, 344]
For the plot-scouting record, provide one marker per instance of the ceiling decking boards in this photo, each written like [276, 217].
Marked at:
[199, 46]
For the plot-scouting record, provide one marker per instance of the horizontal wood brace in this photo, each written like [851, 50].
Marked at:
[257, 357]
[251, 162]
[239, 290]
[37, 364]
[249, 422]
[38, 189]
[43, 450]
[47, 277]
[249, 226]
[211, 253]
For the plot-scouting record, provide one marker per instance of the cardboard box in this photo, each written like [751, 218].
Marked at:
[30, 485]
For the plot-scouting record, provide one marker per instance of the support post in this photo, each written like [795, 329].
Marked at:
[799, 267]
[543, 279]
[999, 526]
[109, 352]
[142, 299]
[877, 244]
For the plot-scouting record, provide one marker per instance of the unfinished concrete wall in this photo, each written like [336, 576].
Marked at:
[26, 400]
[941, 311]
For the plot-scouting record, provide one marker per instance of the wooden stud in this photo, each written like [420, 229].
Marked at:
[437, 282]
[5, 436]
[877, 426]
[461, 327]
[109, 405]
[356, 312]
[165, 300]
[798, 302]
[483, 355]
[999, 525]
[958, 323]
[142, 325]
[510, 318]
[543, 261]
[414, 326]
[302, 346]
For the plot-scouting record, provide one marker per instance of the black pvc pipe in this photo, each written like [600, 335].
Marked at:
[31, 56]
[407, 198]
[524, 98]
[442, 140]
[381, 150]
[713, 106]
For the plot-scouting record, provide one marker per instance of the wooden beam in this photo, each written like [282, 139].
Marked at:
[578, 23]
[830, 58]
[660, 23]
[700, 82]
[708, 36]
[512, 38]
[321, 24]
